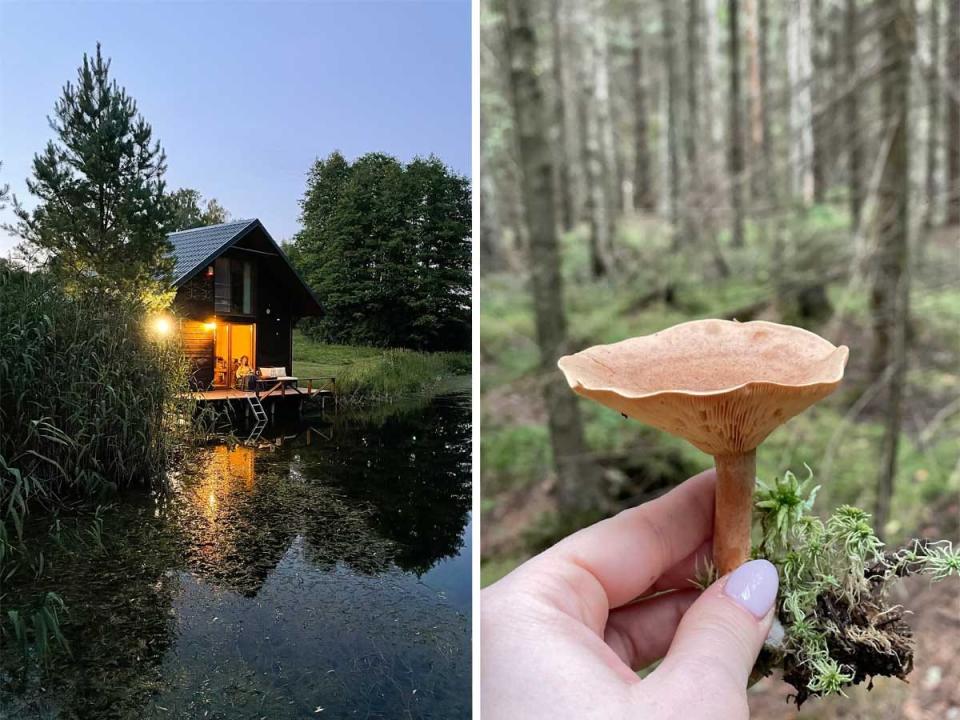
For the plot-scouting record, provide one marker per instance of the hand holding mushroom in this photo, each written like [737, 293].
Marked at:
[724, 386]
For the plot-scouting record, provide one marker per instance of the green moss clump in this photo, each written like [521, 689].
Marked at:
[838, 627]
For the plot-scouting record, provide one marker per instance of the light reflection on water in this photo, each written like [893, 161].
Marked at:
[326, 568]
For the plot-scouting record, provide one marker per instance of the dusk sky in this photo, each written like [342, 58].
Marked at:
[244, 96]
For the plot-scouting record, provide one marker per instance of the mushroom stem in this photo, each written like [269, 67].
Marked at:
[733, 510]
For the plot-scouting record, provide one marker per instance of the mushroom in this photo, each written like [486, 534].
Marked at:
[721, 385]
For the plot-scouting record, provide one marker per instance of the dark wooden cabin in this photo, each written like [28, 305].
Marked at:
[237, 294]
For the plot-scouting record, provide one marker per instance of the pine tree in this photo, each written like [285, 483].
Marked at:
[578, 487]
[890, 294]
[102, 216]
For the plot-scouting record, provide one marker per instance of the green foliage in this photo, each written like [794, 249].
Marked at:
[369, 374]
[828, 676]
[190, 211]
[823, 566]
[787, 501]
[38, 630]
[88, 402]
[102, 215]
[386, 248]
[941, 560]
[513, 454]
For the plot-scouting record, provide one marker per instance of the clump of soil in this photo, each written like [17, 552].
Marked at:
[868, 637]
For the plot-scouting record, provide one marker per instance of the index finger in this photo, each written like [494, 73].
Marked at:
[627, 553]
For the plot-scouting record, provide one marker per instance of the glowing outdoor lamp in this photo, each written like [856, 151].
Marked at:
[212, 325]
[162, 326]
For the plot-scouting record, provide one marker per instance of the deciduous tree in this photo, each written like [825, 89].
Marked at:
[190, 210]
[386, 247]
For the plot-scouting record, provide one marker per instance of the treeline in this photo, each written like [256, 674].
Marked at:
[386, 247]
[709, 112]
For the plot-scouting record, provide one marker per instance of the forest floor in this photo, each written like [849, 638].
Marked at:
[367, 375]
[839, 438]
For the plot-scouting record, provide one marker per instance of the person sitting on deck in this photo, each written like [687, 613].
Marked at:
[244, 373]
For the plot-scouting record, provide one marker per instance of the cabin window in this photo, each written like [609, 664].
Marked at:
[233, 281]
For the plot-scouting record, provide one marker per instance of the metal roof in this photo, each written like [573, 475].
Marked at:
[199, 246]
[195, 249]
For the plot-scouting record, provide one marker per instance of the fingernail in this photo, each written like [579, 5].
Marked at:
[753, 586]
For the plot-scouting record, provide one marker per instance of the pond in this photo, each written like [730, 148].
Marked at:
[324, 571]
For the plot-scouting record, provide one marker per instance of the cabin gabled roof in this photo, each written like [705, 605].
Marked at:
[195, 249]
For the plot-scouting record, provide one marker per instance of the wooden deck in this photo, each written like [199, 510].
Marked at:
[220, 394]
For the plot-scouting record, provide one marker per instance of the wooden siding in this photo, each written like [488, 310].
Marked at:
[194, 304]
[197, 343]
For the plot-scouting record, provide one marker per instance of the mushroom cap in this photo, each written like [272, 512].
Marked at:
[722, 385]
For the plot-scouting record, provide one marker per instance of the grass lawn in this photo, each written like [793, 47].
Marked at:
[370, 374]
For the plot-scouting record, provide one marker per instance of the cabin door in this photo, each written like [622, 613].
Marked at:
[234, 342]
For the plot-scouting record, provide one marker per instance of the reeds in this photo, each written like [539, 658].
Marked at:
[89, 403]
[395, 373]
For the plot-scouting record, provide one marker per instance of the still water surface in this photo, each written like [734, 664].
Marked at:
[323, 573]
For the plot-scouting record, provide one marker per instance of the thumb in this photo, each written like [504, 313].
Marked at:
[720, 636]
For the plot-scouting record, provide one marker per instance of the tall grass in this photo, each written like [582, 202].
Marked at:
[366, 375]
[88, 403]
[394, 373]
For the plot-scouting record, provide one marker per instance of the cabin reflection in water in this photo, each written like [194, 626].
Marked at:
[370, 497]
[226, 471]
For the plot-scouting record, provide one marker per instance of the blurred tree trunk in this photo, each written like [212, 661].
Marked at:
[953, 113]
[832, 120]
[801, 105]
[596, 204]
[736, 132]
[819, 105]
[694, 201]
[491, 242]
[934, 89]
[672, 118]
[601, 66]
[889, 297]
[644, 199]
[763, 42]
[564, 190]
[712, 99]
[578, 486]
[852, 120]
[755, 98]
